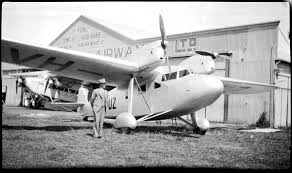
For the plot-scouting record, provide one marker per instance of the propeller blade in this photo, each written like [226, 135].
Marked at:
[206, 54]
[226, 53]
[164, 42]
[162, 32]
[215, 54]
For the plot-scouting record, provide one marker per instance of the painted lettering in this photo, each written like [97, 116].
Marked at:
[109, 52]
[111, 103]
[183, 42]
[99, 52]
[184, 45]
[129, 51]
[15, 56]
[118, 52]
[68, 39]
[91, 36]
[115, 52]
[176, 47]
[81, 29]
[192, 42]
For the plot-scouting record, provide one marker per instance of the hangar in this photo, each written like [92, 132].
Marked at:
[254, 58]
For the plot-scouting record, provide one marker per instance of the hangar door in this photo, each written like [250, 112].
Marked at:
[283, 101]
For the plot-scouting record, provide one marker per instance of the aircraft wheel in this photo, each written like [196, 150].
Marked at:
[199, 131]
[125, 130]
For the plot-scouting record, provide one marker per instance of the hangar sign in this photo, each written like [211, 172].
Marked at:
[86, 38]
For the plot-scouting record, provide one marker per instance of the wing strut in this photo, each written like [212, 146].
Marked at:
[147, 117]
[142, 94]
[130, 93]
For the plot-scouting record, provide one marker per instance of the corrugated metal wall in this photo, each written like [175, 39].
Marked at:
[12, 98]
[283, 101]
[252, 61]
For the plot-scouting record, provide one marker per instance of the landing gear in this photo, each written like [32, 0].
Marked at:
[199, 125]
[125, 130]
[199, 131]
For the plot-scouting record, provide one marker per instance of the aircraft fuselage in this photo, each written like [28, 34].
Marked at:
[178, 96]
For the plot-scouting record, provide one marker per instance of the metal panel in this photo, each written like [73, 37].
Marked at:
[252, 61]
[282, 102]
[12, 98]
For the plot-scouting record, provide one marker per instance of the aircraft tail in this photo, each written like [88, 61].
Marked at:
[85, 110]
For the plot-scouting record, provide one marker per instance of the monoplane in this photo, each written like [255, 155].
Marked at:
[141, 87]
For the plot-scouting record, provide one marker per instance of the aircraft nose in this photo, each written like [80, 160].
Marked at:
[207, 87]
[213, 86]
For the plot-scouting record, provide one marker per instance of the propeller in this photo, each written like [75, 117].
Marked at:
[163, 41]
[215, 55]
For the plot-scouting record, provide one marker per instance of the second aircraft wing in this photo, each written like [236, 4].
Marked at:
[237, 86]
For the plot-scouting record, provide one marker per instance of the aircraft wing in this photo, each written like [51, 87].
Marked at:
[62, 106]
[236, 86]
[32, 74]
[69, 63]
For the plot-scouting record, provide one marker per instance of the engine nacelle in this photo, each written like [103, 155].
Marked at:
[199, 64]
[125, 120]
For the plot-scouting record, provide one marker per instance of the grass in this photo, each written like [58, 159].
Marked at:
[57, 142]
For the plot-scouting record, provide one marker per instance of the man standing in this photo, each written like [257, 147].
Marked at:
[98, 102]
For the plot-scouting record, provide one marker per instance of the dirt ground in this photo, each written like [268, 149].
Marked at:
[55, 139]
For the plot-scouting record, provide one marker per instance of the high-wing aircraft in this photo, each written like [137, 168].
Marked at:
[45, 89]
[141, 87]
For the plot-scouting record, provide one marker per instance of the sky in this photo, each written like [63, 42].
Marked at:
[42, 22]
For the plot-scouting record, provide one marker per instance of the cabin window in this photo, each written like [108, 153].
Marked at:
[166, 77]
[173, 75]
[157, 85]
[143, 88]
[183, 73]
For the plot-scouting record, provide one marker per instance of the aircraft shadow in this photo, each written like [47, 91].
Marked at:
[46, 128]
[167, 130]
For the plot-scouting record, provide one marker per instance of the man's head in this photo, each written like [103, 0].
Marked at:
[102, 83]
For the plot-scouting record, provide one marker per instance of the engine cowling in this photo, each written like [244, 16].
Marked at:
[125, 119]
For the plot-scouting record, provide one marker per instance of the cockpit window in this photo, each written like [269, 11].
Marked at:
[183, 73]
[173, 75]
[166, 77]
